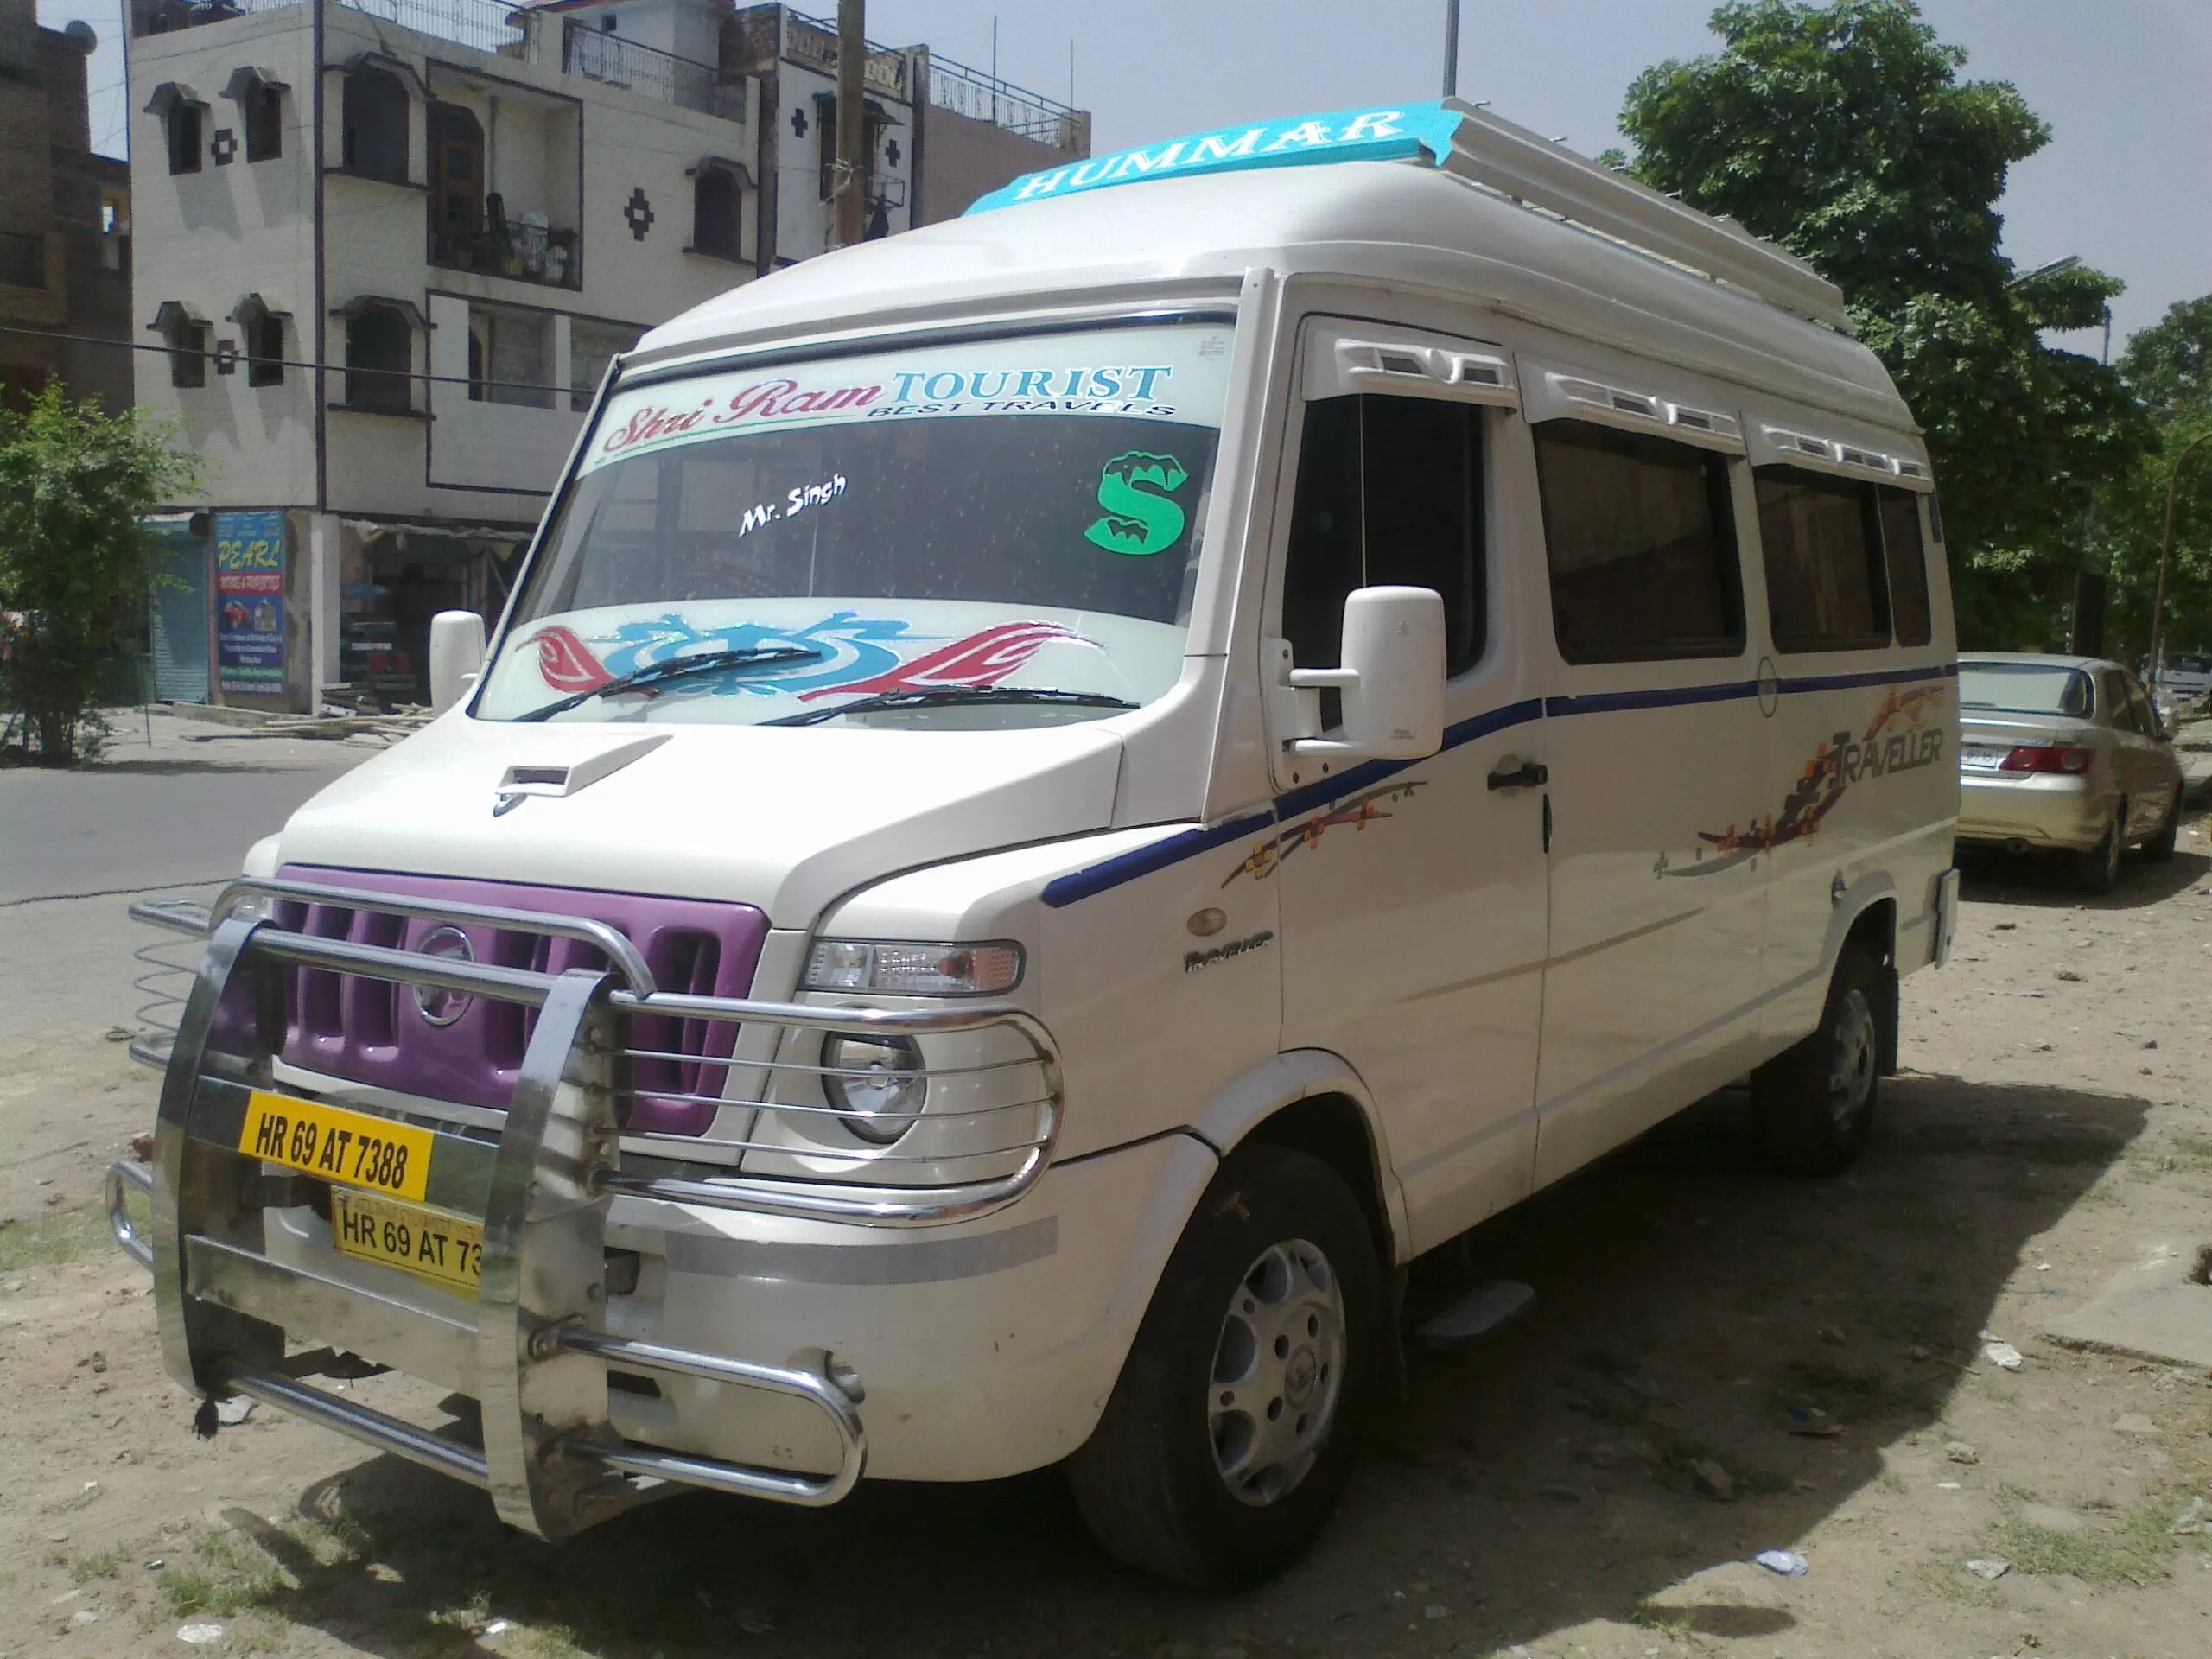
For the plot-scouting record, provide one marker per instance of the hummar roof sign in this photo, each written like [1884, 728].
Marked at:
[1408, 132]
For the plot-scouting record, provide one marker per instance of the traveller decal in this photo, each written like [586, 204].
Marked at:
[861, 653]
[1895, 740]
[1137, 491]
[1359, 812]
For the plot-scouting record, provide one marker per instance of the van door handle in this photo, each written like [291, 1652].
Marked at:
[1530, 775]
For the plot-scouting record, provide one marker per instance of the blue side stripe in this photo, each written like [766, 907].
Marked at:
[1891, 676]
[1110, 873]
[1062, 890]
[1600, 703]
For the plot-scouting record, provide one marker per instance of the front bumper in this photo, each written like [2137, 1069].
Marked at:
[594, 1392]
[2041, 808]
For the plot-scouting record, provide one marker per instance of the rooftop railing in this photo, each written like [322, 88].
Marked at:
[984, 97]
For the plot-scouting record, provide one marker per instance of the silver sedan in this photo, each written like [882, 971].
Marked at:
[2064, 753]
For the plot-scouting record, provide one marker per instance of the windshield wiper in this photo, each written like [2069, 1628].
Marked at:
[953, 697]
[676, 668]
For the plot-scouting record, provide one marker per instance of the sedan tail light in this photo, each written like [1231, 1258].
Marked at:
[2035, 756]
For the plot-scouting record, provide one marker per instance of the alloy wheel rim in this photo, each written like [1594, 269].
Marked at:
[1850, 1072]
[1277, 1373]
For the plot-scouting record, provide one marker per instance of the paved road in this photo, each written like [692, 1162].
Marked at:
[174, 815]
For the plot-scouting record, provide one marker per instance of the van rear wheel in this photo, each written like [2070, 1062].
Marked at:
[1812, 1104]
[1231, 1431]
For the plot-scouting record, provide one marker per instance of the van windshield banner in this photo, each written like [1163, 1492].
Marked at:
[1175, 373]
[1406, 133]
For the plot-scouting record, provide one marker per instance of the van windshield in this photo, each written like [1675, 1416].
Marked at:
[2024, 688]
[1000, 533]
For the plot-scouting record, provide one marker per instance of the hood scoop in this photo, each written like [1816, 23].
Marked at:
[521, 781]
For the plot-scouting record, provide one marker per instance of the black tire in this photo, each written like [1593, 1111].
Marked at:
[1149, 1481]
[2160, 849]
[1812, 1104]
[2097, 871]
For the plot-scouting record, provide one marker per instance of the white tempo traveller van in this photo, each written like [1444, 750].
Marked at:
[1062, 794]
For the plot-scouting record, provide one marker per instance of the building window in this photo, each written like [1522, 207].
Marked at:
[1640, 537]
[263, 332]
[183, 119]
[592, 347]
[379, 358]
[456, 184]
[510, 357]
[374, 112]
[186, 337]
[264, 122]
[23, 260]
[718, 189]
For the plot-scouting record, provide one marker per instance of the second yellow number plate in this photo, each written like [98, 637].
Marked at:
[443, 1248]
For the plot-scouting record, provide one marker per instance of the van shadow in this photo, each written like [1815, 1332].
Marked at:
[2045, 880]
[1687, 1302]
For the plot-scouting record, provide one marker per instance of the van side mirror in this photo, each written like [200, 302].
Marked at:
[456, 654]
[1392, 678]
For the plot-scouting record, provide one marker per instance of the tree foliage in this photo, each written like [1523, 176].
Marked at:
[1844, 133]
[2169, 367]
[74, 563]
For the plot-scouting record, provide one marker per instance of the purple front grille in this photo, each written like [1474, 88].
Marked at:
[372, 1031]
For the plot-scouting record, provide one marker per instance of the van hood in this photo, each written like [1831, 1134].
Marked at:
[785, 819]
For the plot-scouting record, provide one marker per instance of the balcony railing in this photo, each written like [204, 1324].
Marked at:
[648, 72]
[984, 97]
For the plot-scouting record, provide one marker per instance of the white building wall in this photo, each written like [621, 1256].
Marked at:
[208, 239]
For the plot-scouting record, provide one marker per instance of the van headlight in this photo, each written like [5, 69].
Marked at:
[875, 1083]
[901, 970]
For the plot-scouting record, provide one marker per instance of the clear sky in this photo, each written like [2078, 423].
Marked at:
[2125, 85]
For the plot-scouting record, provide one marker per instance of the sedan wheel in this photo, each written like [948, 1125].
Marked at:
[2098, 869]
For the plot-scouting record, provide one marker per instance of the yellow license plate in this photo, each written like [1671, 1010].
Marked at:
[444, 1250]
[353, 1147]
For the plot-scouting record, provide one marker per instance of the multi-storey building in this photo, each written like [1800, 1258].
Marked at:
[388, 248]
[65, 222]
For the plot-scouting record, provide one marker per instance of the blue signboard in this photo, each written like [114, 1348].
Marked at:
[1406, 133]
[250, 602]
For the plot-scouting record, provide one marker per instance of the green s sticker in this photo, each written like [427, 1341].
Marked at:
[1136, 490]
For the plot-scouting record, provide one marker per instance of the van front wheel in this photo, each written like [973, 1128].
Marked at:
[1231, 1431]
[1812, 1104]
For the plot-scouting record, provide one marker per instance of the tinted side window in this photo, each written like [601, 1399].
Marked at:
[1642, 544]
[2112, 699]
[1907, 563]
[1389, 489]
[1825, 586]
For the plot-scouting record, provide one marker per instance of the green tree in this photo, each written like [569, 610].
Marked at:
[2169, 367]
[1844, 133]
[74, 561]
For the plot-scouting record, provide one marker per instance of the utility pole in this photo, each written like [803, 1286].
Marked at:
[1450, 48]
[847, 202]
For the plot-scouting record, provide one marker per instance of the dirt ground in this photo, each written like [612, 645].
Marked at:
[1590, 1482]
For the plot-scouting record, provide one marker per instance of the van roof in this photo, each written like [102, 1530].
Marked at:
[1473, 207]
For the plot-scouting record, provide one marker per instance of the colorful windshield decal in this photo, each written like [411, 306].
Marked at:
[1361, 809]
[1170, 373]
[1837, 763]
[982, 659]
[1142, 517]
[862, 657]
[1410, 132]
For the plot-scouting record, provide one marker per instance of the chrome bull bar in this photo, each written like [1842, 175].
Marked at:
[534, 1357]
